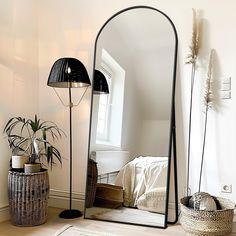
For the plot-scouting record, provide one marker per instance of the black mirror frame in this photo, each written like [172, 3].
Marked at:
[172, 132]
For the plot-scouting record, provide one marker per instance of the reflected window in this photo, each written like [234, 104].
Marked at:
[110, 107]
[104, 108]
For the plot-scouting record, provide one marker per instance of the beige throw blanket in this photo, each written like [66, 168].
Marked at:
[140, 176]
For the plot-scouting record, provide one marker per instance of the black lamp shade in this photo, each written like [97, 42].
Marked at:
[68, 73]
[100, 85]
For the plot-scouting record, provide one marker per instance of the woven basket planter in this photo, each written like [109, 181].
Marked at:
[92, 178]
[28, 197]
[206, 223]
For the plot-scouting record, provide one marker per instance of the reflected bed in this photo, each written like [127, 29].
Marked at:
[144, 183]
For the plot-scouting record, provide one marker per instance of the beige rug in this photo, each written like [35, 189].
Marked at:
[70, 230]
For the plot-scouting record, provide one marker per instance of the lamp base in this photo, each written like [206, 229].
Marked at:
[70, 214]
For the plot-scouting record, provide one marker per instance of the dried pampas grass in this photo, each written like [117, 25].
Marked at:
[208, 97]
[192, 59]
[195, 44]
[208, 102]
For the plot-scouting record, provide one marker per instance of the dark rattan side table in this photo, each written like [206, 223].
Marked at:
[28, 197]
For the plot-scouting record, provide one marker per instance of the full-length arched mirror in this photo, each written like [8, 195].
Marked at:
[130, 133]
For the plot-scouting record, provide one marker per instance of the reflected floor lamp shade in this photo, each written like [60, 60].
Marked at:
[100, 85]
[69, 73]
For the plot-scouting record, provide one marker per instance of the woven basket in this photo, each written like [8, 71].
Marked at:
[28, 197]
[91, 182]
[109, 196]
[206, 223]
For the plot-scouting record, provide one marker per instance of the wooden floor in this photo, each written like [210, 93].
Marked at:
[126, 214]
[54, 223]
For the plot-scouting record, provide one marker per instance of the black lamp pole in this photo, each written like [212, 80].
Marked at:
[71, 106]
[70, 213]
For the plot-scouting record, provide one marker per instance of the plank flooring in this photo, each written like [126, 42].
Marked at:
[54, 223]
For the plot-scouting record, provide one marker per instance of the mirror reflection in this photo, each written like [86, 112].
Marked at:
[130, 123]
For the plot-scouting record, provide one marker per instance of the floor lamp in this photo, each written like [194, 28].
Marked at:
[69, 73]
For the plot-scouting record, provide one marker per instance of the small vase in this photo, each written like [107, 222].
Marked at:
[19, 161]
[32, 168]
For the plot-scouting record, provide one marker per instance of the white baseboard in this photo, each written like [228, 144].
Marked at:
[4, 213]
[60, 199]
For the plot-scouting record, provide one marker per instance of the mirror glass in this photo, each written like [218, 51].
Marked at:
[130, 127]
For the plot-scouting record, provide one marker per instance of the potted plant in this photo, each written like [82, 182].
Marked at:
[28, 192]
[31, 138]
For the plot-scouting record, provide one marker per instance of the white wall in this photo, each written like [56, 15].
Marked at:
[69, 29]
[131, 116]
[18, 72]
[154, 137]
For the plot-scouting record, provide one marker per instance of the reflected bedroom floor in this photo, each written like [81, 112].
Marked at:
[128, 215]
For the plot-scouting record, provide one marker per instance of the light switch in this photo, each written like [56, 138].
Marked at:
[225, 88]
[225, 94]
[226, 84]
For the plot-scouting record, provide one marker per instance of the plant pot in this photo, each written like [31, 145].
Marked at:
[32, 168]
[19, 161]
